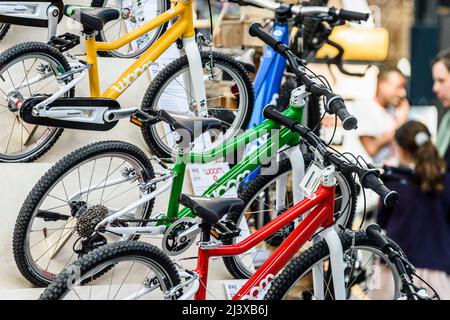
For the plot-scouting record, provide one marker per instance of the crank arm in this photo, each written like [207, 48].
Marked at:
[192, 231]
[114, 115]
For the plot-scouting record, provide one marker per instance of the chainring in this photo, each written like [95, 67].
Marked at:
[173, 246]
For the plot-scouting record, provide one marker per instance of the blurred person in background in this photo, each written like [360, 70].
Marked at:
[441, 87]
[420, 223]
[379, 118]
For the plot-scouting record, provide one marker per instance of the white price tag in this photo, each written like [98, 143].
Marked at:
[232, 287]
[311, 180]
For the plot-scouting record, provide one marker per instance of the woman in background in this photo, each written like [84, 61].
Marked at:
[441, 87]
[420, 223]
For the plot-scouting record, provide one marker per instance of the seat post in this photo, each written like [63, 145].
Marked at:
[206, 232]
[91, 53]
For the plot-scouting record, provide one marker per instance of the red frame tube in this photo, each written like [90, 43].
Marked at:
[322, 215]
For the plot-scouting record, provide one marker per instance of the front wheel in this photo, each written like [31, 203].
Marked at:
[369, 274]
[268, 196]
[229, 95]
[131, 270]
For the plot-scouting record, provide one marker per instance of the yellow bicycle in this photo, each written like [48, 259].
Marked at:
[37, 83]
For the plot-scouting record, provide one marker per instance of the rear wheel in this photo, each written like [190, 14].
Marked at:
[57, 219]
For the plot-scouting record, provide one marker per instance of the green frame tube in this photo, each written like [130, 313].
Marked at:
[280, 138]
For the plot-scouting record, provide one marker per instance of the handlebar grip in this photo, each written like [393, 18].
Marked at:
[271, 113]
[371, 181]
[353, 15]
[374, 232]
[255, 30]
[337, 106]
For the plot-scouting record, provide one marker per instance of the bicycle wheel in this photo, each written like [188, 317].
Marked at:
[58, 217]
[131, 270]
[133, 14]
[4, 27]
[27, 70]
[368, 274]
[313, 111]
[260, 202]
[229, 94]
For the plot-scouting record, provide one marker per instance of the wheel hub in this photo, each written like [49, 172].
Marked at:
[15, 101]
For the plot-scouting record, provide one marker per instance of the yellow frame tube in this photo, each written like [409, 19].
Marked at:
[183, 27]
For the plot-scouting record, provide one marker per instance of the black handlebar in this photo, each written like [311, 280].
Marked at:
[335, 104]
[353, 15]
[372, 181]
[369, 177]
[255, 30]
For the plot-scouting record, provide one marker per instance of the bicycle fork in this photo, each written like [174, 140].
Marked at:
[336, 254]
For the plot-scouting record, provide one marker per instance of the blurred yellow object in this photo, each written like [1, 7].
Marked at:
[360, 44]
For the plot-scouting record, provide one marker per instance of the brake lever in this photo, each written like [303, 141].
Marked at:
[338, 60]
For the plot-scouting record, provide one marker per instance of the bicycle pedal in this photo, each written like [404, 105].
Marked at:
[225, 230]
[141, 118]
[65, 41]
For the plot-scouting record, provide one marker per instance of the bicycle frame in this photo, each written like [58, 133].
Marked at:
[182, 28]
[269, 76]
[322, 215]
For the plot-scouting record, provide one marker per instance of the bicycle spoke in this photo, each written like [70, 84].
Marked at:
[71, 228]
[107, 173]
[116, 22]
[362, 269]
[90, 181]
[110, 283]
[132, 188]
[65, 191]
[56, 198]
[114, 298]
[10, 135]
[14, 86]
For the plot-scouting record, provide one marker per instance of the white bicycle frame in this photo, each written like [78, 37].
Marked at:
[44, 11]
